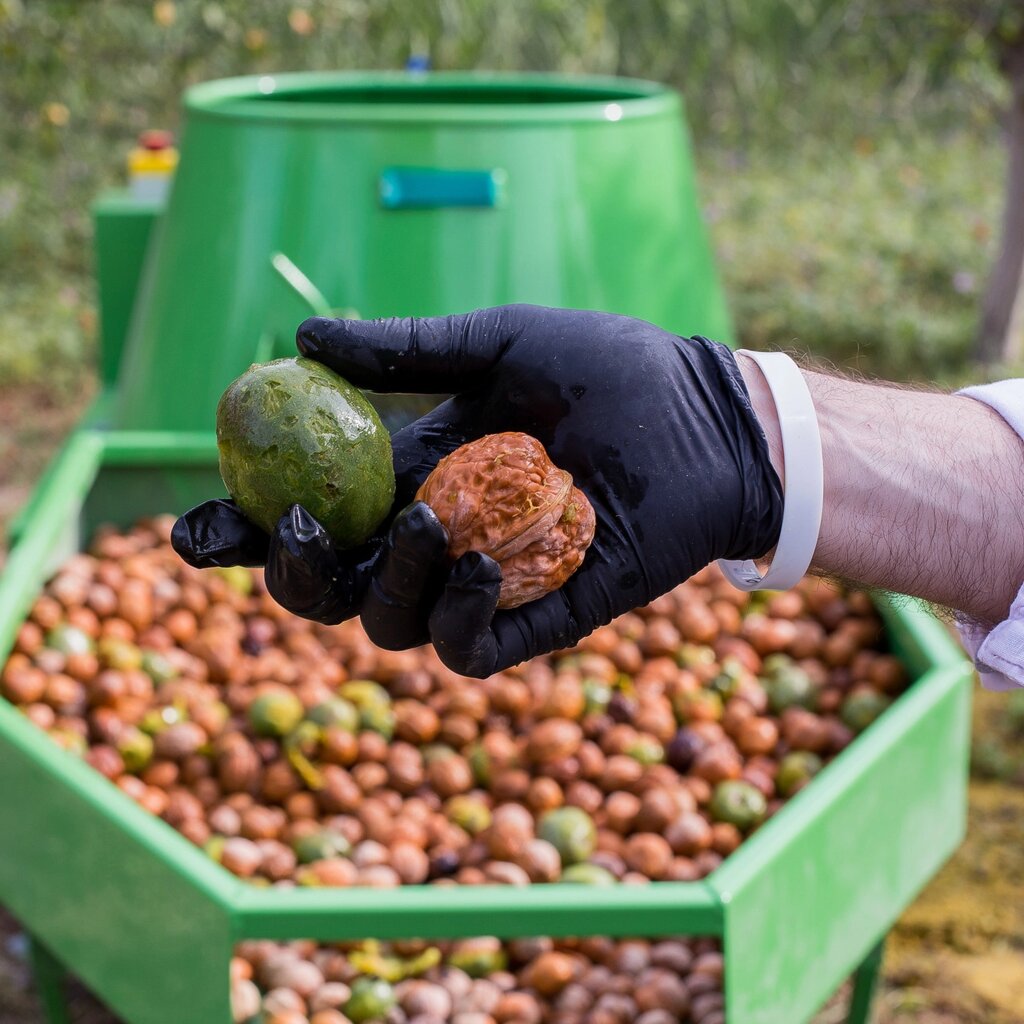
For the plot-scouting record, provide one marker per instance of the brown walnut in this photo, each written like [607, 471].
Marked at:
[503, 496]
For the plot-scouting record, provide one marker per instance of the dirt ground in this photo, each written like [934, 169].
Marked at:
[956, 957]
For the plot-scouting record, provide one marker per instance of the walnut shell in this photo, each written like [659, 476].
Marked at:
[503, 496]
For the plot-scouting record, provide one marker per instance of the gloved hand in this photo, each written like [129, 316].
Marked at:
[656, 430]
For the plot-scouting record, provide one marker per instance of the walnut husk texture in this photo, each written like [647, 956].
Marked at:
[503, 496]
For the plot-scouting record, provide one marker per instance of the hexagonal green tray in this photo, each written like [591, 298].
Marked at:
[149, 923]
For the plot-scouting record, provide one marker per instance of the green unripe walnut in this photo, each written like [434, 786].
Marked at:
[291, 431]
[738, 803]
[275, 713]
[335, 711]
[371, 999]
[588, 874]
[796, 769]
[320, 845]
[571, 831]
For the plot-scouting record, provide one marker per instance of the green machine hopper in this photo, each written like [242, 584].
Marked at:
[410, 194]
[400, 195]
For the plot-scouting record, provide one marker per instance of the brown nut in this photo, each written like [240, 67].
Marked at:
[648, 854]
[757, 736]
[517, 1008]
[552, 739]
[501, 495]
[551, 972]
[541, 861]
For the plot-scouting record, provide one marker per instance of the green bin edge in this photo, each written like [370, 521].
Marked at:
[87, 871]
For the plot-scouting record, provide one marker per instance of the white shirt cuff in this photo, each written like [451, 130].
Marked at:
[998, 653]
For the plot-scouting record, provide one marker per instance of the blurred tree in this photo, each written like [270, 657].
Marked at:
[1001, 332]
[894, 99]
[958, 30]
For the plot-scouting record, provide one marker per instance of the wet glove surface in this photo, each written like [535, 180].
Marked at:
[656, 430]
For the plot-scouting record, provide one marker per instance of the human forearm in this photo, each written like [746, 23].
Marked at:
[924, 493]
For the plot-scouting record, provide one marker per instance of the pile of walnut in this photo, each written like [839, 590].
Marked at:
[480, 981]
[300, 754]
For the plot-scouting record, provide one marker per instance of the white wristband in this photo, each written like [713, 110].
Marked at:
[804, 489]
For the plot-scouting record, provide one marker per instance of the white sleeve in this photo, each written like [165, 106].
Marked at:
[999, 653]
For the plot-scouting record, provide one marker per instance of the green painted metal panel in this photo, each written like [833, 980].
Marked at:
[48, 530]
[49, 976]
[599, 211]
[122, 227]
[808, 896]
[149, 922]
[137, 912]
[127, 903]
[430, 912]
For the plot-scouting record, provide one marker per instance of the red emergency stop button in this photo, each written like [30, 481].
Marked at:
[156, 139]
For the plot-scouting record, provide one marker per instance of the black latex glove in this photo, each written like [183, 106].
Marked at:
[657, 431]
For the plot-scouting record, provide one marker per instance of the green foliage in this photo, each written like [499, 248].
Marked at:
[46, 333]
[825, 244]
[871, 254]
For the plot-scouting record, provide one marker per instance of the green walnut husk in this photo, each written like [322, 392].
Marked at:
[364, 692]
[120, 654]
[861, 708]
[727, 683]
[694, 655]
[69, 639]
[335, 711]
[157, 667]
[646, 750]
[371, 960]
[378, 718]
[291, 431]
[796, 769]
[275, 714]
[237, 577]
[596, 695]
[321, 845]
[300, 745]
[470, 813]
[157, 719]
[478, 957]
[135, 748]
[738, 803]
[571, 831]
[588, 874]
[371, 999]
[787, 684]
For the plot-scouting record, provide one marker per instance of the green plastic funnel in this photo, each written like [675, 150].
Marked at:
[400, 194]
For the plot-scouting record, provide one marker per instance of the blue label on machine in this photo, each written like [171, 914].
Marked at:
[410, 188]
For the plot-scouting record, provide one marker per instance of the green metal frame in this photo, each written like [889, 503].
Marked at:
[122, 227]
[148, 922]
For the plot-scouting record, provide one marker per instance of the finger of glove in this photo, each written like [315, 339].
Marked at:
[305, 574]
[461, 621]
[217, 534]
[473, 638]
[405, 579]
[417, 355]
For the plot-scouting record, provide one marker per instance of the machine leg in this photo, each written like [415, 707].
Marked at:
[865, 981]
[49, 976]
